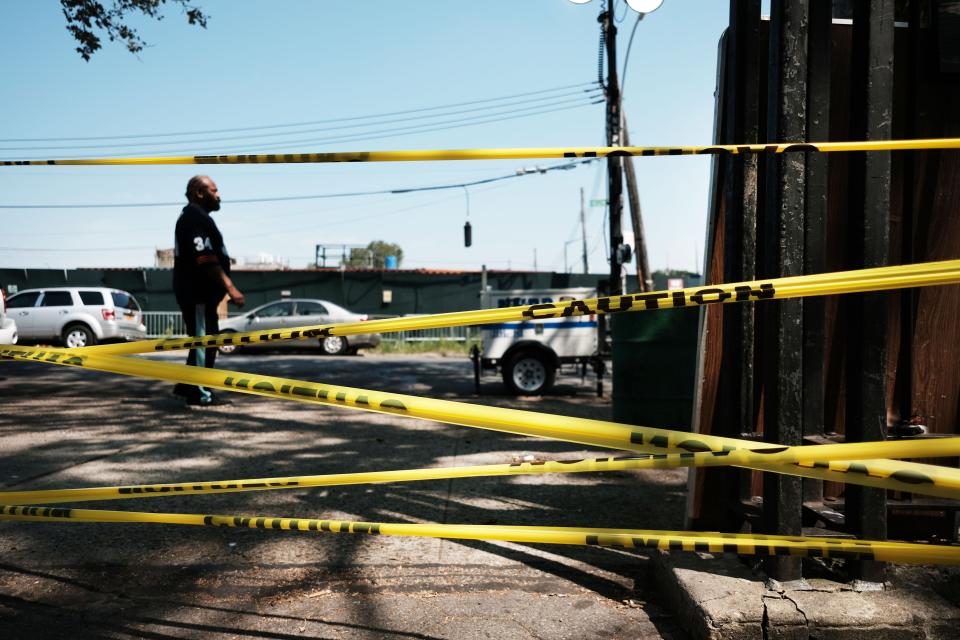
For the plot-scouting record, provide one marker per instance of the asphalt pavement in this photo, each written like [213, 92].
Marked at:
[64, 428]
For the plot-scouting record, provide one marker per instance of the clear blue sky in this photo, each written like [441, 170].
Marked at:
[261, 64]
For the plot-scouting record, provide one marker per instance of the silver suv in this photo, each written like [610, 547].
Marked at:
[8, 328]
[76, 316]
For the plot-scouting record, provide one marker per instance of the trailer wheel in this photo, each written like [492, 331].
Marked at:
[528, 373]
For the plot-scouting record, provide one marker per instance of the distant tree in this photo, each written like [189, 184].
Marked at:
[374, 255]
[86, 16]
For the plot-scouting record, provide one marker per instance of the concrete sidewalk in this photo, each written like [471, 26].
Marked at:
[62, 428]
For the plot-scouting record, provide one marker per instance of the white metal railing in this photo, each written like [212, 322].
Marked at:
[169, 324]
[164, 324]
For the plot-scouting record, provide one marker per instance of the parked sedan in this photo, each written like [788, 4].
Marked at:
[76, 316]
[298, 312]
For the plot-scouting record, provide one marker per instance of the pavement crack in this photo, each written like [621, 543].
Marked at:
[806, 620]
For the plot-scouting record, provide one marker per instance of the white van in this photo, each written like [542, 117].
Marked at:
[76, 316]
[528, 353]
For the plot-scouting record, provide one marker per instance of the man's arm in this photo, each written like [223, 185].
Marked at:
[216, 272]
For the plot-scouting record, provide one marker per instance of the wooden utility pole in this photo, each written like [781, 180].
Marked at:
[583, 231]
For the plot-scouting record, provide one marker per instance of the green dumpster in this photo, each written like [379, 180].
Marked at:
[654, 367]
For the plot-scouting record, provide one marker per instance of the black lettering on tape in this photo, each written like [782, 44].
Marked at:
[575, 308]
[393, 404]
[650, 300]
[764, 292]
[593, 541]
[801, 148]
[768, 450]
[700, 296]
[693, 445]
[912, 477]
[603, 304]
[532, 311]
[305, 391]
[265, 386]
[342, 396]
[362, 400]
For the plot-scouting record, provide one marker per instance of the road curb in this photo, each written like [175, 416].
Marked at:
[717, 596]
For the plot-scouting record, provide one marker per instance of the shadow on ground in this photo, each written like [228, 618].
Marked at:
[67, 428]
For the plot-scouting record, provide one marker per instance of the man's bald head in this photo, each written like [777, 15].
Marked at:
[202, 191]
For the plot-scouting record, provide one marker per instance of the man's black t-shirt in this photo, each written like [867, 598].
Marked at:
[198, 247]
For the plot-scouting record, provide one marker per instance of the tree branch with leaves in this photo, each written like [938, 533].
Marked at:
[87, 18]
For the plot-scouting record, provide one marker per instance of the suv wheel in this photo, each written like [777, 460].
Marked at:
[334, 345]
[528, 373]
[75, 336]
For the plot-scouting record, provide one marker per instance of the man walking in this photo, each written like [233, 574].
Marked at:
[201, 277]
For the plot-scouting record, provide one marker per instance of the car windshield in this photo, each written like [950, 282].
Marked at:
[123, 300]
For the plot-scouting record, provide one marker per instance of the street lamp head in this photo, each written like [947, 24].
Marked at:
[640, 6]
[644, 6]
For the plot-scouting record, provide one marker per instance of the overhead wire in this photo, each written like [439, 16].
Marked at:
[291, 145]
[319, 196]
[590, 94]
[300, 124]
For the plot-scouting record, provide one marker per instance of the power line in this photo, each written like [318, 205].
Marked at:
[374, 135]
[591, 94]
[517, 174]
[299, 124]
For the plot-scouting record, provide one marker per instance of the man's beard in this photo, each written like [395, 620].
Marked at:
[212, 205]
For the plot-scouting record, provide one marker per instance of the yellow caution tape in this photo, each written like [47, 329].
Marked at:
[699, 448]
[882, 278]
[513, 154]
[948, 479]
[746, 544]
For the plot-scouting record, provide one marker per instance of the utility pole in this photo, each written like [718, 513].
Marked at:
[583, 231]
[614, 162]
[645, 281]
